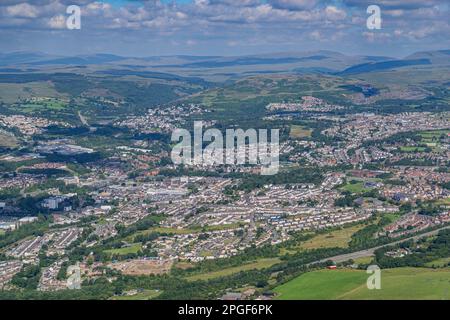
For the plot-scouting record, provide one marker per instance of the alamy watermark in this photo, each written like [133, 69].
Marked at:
[238, 148]
[374, 20]
[74, 279]
[73, 22]
[374, 281]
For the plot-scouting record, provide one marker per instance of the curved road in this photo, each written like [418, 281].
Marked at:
[370, 252]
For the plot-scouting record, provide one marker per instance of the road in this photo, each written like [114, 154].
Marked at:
[370, 252]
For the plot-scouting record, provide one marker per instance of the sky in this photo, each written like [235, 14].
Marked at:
[224, 27]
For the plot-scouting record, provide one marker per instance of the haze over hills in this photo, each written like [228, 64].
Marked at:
[218, 68]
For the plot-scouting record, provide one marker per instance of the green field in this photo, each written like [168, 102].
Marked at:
[396, 284]
[259, 264]
[134, 248]
[355, 187]
[392, 216]
[364, 260]
[34, 106]
[338, 238]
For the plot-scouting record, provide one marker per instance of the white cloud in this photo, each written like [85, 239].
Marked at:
[240, 23]
[23, 10]
[334, 13]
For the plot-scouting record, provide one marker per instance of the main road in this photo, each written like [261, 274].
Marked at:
[370, 252]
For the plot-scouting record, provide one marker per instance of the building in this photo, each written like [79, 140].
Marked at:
[26, 220]
[8, 226]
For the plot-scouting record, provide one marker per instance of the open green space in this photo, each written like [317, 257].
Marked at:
[134, 248]
[392, 216]
[401, 283]
[338, 238]
[355, 187]
[41, 105]
[364, 260]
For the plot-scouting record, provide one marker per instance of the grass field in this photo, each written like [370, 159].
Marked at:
[338, 238]
[355, 187]
[51, 104]
[298, 132]
[144, 295]
[134, 248]
[396, 284]
[392, 216]
[2, 232]
[364, 260]
[259, 264]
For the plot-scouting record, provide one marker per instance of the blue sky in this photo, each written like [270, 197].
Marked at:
[224, 27]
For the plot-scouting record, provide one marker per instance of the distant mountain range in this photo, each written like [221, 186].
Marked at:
[327, 62]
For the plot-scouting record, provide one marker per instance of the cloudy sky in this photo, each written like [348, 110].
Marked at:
[223, 27]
